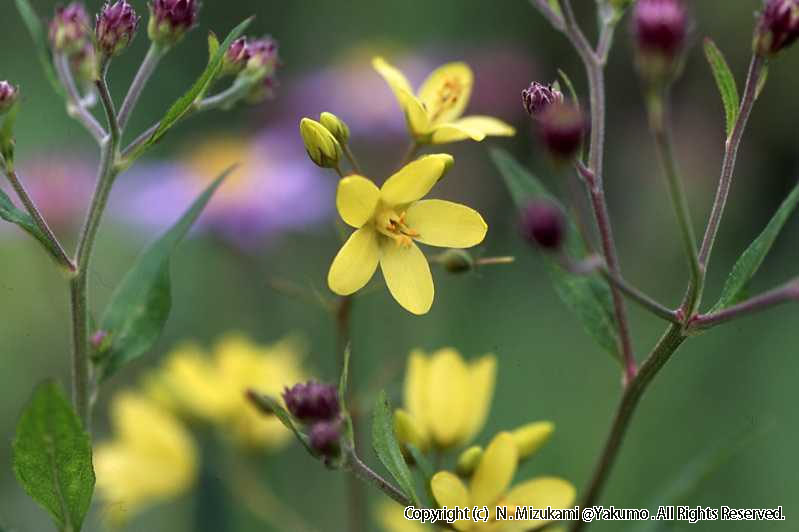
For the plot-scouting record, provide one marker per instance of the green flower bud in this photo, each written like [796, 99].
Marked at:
[8, 96]
[468, 460]
[321, 145]
[457, 261]
[336, 126]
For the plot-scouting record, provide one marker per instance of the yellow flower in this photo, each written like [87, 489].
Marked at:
[150, 458]
[489, 486]
[434, 112]
[391, 518]
[212, 388]
[446, 399]
[388, 221]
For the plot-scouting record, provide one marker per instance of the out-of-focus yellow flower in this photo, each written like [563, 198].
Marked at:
[434, 112]
[150, 458]
[212, 388]
[388, 221]
[446, 398]
[391, 518]
[489, 486]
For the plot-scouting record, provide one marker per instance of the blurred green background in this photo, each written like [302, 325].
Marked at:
[734, 380]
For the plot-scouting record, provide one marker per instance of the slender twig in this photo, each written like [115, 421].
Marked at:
[365, 473]
[782, 294]
[79, 286]
[605, 42]
[411, 152]
[75, 107]
[134, 146]
[491, 261]
[55, 247]
[555, 19]
[657, 108]
[238, 90]
[108, 106]
[351, 157]
[143, 75]
[730, 155]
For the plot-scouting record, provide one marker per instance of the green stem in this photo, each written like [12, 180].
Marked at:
[143, 75]
[351, 157]
[75, 107]
[786, 293]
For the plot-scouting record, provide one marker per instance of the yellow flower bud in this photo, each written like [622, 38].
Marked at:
[408, 431]
[531, 437]
[336, 126]
[321, 145]
[468, 460]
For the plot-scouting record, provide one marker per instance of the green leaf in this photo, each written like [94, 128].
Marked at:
[725, 82]
[569, 85]
[588, 296]
[36, 29]
[53, 457]
[184, 103]
[426, 470]
[385, 444]
[271, 406]
[751, 259]
[140, 305]
[11, 214]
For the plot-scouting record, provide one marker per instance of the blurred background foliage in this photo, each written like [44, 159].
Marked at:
[730, 381]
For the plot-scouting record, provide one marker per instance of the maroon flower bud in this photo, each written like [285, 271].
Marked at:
[561, 127]
[116, 27]
[69, 29]
[537, 97]
[777, 27]
[325, 438]
[312, 401]
[171, 19]
[236, 57]
[8, 96]
[542, 223]
[263, 57]
[659, 28]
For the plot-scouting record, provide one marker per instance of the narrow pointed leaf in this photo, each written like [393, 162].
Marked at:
[53, 457]
[39, 36]
[184, 103]
[385, 444]
[588, 296]
[725, 82]
[11, 214]
[271, 406]
[751, 259]
[140, 306]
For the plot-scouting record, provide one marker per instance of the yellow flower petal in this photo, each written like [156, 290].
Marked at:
[482, 375]
[540, 493]
[391, 517]
[409, 430]
[393, 76]
[446, 91]
[448, 397]
[449, 491]
[446, 224]
[413, 181]
[529, 438]
[416, 384]
[495, 471]
[356, 200]
[355, 263]
[407, 276]
[414, 110]
[471, 127]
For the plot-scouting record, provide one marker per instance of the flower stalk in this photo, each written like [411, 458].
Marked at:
[143, 75]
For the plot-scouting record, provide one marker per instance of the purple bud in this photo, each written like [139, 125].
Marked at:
[84, 64]
[542, 223]
[171, 19]
[116, 27]
[660, 26]
[263, 56]
[236, 57]
[777, 27]
[312, 401]
[561, 127]
[325, 438]
[8, 96]
[537, 97]
[69, 29]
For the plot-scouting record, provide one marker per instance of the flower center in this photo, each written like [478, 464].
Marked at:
[447, 96]
[392, 225]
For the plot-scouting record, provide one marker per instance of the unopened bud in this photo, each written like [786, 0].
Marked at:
[84, 64]
[538, 97]
[543, 224]
[531, 437]
[660, 28]
[70, 29]
[408, 430]
[170, 20]
[326, 438]
[562, 127]
[116, 26]
[321, 145]
[312, 401]
[777, 27]
[336, 126]
[262, 63]
[8, 96]
[457, 261]
[468, 460]
[236, 57]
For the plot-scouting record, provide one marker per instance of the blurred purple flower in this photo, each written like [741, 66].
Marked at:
[273, 190]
